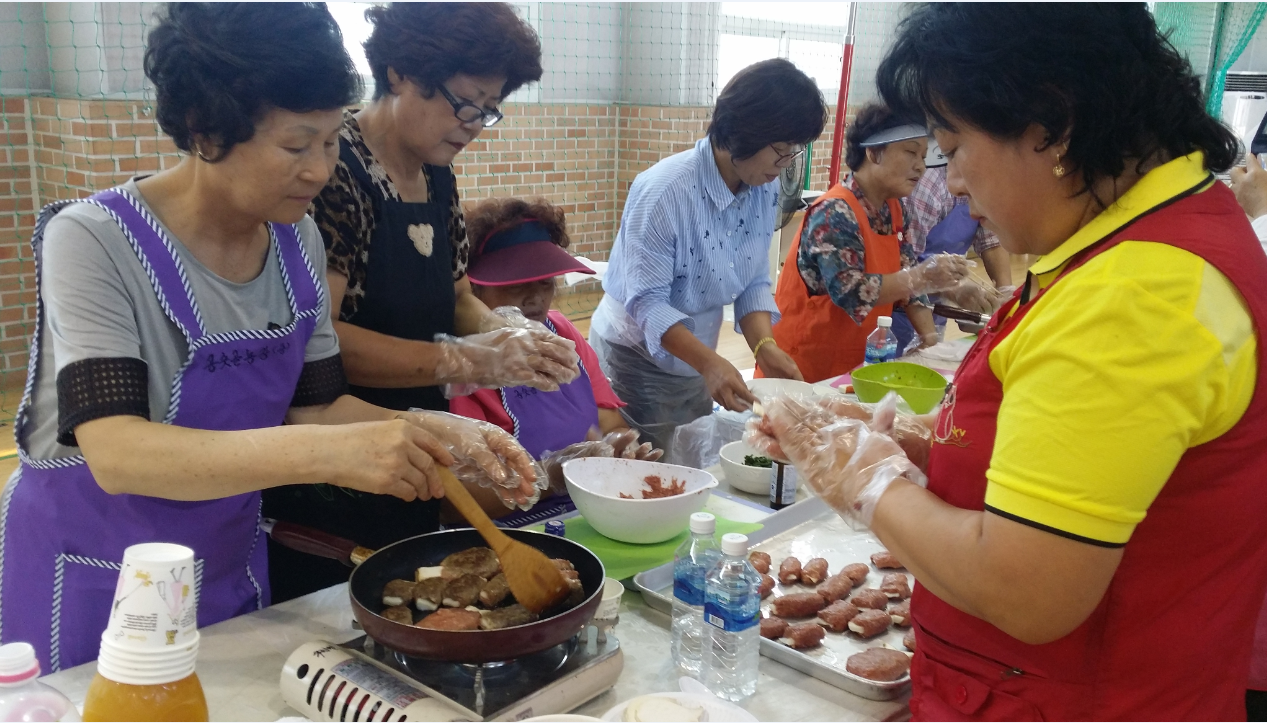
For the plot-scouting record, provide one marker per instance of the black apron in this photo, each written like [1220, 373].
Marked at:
[408, 295]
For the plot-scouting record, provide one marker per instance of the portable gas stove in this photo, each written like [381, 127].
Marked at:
[363, 681]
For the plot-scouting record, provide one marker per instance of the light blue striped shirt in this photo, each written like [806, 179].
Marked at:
[687, 247]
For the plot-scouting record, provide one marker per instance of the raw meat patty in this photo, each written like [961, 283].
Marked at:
[773, 628]
[896, 586]
[886, 560]
[836, 617]
[869, 597]
[767, 586]
[880, 664]
[463, 591]
[803, 635]
[451, 619]
[798, 605]
[814, 571]
[507, 617]
[480, 561]
[870, 623]
[901, 614]
[835, 587]
[760, 562]
[857, 572]
[790, 571]
[909, 640]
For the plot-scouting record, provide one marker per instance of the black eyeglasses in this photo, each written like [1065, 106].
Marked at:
[786, 159]
[468, 112]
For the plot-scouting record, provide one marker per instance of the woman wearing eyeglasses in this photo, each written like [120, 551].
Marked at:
[397, 254]
[695, 237]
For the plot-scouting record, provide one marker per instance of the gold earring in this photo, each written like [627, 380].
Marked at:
[1059, 169]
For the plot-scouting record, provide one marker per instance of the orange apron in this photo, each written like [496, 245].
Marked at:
[821, 338]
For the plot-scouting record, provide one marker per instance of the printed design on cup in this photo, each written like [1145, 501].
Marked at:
[153, 606]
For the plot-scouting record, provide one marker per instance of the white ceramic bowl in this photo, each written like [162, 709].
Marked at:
[753, 480]
[595, 484]
[766, 388]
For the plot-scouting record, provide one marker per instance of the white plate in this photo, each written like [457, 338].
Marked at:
[715, 709]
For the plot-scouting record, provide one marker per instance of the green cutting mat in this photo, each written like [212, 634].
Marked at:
[622, 559]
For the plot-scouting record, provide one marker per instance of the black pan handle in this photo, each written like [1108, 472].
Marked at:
[951, 312]
[315, 542]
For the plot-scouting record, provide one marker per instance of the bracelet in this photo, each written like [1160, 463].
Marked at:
[767, 340]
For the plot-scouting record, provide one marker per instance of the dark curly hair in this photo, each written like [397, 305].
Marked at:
[767, 102]
[430, 42]
[873, 118]
[218, 68]
[1098, 75]
[495, 214]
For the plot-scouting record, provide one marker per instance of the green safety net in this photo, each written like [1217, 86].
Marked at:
[1237, 24]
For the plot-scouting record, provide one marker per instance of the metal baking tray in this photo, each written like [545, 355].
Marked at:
[807, 529]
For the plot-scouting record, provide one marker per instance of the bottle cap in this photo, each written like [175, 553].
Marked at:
[733, 543]
[884, 322]
[556, 528]
[18, 663]
[703, 523]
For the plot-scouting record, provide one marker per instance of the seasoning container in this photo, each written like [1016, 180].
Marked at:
[782, 486]
[556, 528]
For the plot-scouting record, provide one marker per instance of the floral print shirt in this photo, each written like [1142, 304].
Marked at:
[831, 256]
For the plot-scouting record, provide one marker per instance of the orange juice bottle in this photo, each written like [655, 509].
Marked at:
[145, 685]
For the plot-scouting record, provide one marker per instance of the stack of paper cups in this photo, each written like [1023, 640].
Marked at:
[152, 635]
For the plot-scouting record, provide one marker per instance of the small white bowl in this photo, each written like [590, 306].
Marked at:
[596, 483]
[753, 480]
[715, 709]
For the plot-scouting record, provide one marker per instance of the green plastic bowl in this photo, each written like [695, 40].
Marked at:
[921, 387]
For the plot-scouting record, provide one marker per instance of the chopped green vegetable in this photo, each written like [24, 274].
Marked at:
[752, 460]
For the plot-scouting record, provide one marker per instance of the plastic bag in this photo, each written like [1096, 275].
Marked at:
[487, 455]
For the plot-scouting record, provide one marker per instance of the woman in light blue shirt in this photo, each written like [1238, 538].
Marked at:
[694, 237]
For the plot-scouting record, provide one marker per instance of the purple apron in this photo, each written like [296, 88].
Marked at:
[62, 537]
[547, 422]
[952, 235]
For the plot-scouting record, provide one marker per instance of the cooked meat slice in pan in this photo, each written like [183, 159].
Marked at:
[507, 617]
[480, 561]
[398, 592]
[399, 614]
[463, 591]
[495, 591]
[429, 594]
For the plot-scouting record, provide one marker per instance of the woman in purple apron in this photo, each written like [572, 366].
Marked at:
[180, 321]
[517, 256]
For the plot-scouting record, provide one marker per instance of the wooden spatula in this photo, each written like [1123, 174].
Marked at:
[535, 581]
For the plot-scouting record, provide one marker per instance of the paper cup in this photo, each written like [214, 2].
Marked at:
[609, 605]
[155, 602]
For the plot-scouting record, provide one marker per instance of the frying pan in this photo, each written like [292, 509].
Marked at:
[374, 569]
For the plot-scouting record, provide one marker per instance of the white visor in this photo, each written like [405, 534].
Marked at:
[893, 135]
[934, 158]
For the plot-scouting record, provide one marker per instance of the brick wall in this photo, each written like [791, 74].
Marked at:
[582, 157]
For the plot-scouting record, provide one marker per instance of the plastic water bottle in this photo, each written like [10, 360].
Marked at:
[691, 563]
[22, 697]
[732, 606]
[881, 343]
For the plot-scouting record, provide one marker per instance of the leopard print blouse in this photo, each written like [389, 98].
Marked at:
[345, 213]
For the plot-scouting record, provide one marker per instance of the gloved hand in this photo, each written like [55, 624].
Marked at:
[972, 296]
[847, 461]
[937, 273]
[485, 454]
[623, 444]
[520, 352]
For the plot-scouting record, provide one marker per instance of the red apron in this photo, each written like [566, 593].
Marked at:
[820, 337]
[1171, 638]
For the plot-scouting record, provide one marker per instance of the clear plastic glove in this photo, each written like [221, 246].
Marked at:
[848, 462]
[623, 443]
[510, 317]
[486, 455]
[937, 273]
[972, 296]
[520, 353]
